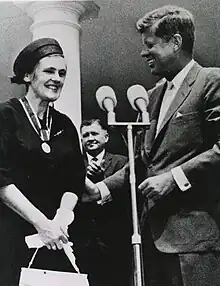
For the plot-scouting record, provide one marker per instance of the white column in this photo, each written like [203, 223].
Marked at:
[61, 20]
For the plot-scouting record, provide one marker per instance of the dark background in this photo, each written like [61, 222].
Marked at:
[110, 50]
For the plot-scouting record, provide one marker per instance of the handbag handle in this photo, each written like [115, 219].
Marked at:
[32, 258]
[68, 251]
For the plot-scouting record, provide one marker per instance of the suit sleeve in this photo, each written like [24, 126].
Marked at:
[205, 167]
[114, 182]
[118, 183]
[121, 161]
[117, 180]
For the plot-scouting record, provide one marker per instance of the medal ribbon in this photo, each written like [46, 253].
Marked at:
[43, 133]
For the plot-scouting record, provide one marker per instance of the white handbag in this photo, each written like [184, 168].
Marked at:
[39, 277]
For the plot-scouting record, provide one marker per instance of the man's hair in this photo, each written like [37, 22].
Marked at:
[91, 121]
[167, 21]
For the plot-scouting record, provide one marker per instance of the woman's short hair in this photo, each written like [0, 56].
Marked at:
[167, 21]
[31, 55]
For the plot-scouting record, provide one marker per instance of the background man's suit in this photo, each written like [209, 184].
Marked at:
[106, 249]
[189, 136]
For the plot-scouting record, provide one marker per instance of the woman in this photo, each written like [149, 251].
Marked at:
[40, 160]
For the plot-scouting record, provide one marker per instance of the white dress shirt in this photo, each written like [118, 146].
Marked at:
[166, 102]
[99, 157]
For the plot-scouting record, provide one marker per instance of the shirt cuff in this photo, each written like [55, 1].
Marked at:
[104, 192]
[180, 179]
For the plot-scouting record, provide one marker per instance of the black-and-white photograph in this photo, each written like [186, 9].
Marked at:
[110, 143]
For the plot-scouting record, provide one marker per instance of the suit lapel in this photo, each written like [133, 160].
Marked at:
[181, 95]
[107, 160]
[156, 99]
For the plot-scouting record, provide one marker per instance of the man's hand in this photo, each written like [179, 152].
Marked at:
[158, 186]
[95, 170]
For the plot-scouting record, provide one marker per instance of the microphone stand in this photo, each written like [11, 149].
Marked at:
[138, 275]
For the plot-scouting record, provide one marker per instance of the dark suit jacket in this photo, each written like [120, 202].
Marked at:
[110, 220]
[189, 137]
[112, 163]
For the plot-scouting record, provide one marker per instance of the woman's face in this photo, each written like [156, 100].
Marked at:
[47, 79]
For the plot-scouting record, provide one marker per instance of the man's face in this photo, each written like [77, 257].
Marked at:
[94, 138]
[159, 53]
[47, 79]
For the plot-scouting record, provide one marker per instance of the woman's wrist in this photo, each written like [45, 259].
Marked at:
[40, 221]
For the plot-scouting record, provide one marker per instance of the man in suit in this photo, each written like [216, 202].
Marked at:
[181, 158]
[106, 251]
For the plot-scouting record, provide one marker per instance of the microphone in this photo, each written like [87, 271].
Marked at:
[107, 101]
[138, 99]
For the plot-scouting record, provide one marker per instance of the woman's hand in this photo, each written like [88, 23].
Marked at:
[51, 234]
[49, 231]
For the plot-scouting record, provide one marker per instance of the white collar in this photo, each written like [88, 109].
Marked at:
[99, 156]
[179, 78]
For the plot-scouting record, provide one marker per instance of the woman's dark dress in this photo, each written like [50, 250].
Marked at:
[41, 177]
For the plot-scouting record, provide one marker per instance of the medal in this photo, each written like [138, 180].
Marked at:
[43, 133]
[45, 147]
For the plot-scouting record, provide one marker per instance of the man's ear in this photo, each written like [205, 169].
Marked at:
[27, 78]
[177, 41]
[106, 137]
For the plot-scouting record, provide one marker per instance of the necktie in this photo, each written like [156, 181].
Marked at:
[166, 102]
[94, 160]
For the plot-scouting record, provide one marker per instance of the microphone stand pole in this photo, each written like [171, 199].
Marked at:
[138, 276]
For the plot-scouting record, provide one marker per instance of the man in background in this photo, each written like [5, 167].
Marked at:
[106, 251]
[181, 157]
